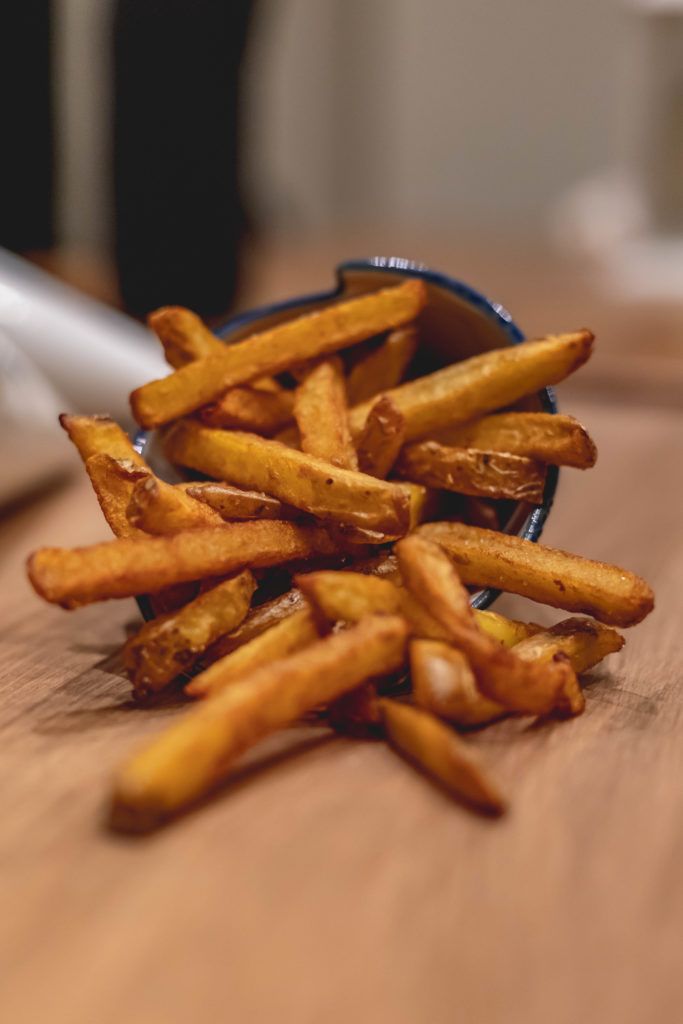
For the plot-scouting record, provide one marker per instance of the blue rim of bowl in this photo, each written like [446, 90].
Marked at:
[533, 525]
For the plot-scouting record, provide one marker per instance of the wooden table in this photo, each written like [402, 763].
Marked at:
[328, 882]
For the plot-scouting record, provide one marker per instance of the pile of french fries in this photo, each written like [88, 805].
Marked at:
[317, 556]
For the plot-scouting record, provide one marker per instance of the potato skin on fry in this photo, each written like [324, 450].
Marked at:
[233, 503]
[308, 483]
[440, 752]
[470, 471]
[583, 641]
[160, 508]
[170, 644]
[461, 392]
[131, 566]
[549, 437]
[198, 751]
[486, 558]
[318, 333]
[382, 438]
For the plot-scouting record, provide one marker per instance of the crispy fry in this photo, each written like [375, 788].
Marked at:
[508, 632]
[184, 335]
[232, 503]
[258, 621]
[562, 580]
[197, 752]
[319, 333]
[160, 508]
[250, 408]
[321, 415]
[548, 437]
[308, 483]
[583, 641]
[113, 482]
[383, 367]
[129, 566]
[288, 635]
[531, 688]
[444, 684]
[170, 644]
[485, 382]
[469, 471]
[441, 753]
[382, 438]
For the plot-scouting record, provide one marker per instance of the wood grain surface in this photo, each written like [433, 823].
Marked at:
[327, 881]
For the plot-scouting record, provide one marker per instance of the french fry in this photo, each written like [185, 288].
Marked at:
[583, 641]
[356, 713]
[232, 503]
[508, 632]
[259, 620]
[310, 484]
[525, 686]
[470, 471]
[382, 438]
[489, 559]
[129, 566]
[184, 335]
[441, 753]
[196, 753]
[321, 415]
[250, 408]
[548, 437]
[315, 334]
[170, 644]
[478, 385]
[291, 634]
[383, 367]
[113, 481]
[444, 684]
[160, 508]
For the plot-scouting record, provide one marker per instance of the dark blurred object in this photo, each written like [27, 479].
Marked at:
[179, 212]
[27, 169]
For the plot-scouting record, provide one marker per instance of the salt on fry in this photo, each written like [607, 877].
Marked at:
[197, 752]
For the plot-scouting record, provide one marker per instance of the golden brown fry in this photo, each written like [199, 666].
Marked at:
[113, 481]
[583, 641]
[444, 684]
[485, 382]
[318, 333]
[441, 753]
[382, 438]
[469, 471]
[562, 580]
[321, 415]
[508, 632]
[197, 752]
[160, 508]
[531, 688]
[250, 408]
[129, 566]
[356, 713]
[308, 483]
[383, 367]
[288, 635]
[170, 644]
[232, 503]
[548, 437]
[184, 335]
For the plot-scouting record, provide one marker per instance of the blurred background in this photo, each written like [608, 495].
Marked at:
[218, 154]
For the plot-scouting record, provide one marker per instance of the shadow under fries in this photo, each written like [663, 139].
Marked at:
[282, 748]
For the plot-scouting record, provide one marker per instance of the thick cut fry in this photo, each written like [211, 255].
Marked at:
[470, 471]
[319, 333]
[444, 684]
[382, 438]
[232, 503]
[548, 437]
[508, 632]
[461, 392]
[184, 335]
[170, 644]
[258, 621]
[531, 688]
[339, 495]
[129, 566]
[383, 367]
[160, 508]
[321, 415]
[583, 641]
[197, 752]
[250, 408]
[441, 753]
[562, 580]
[287, 636]
[113, 481]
